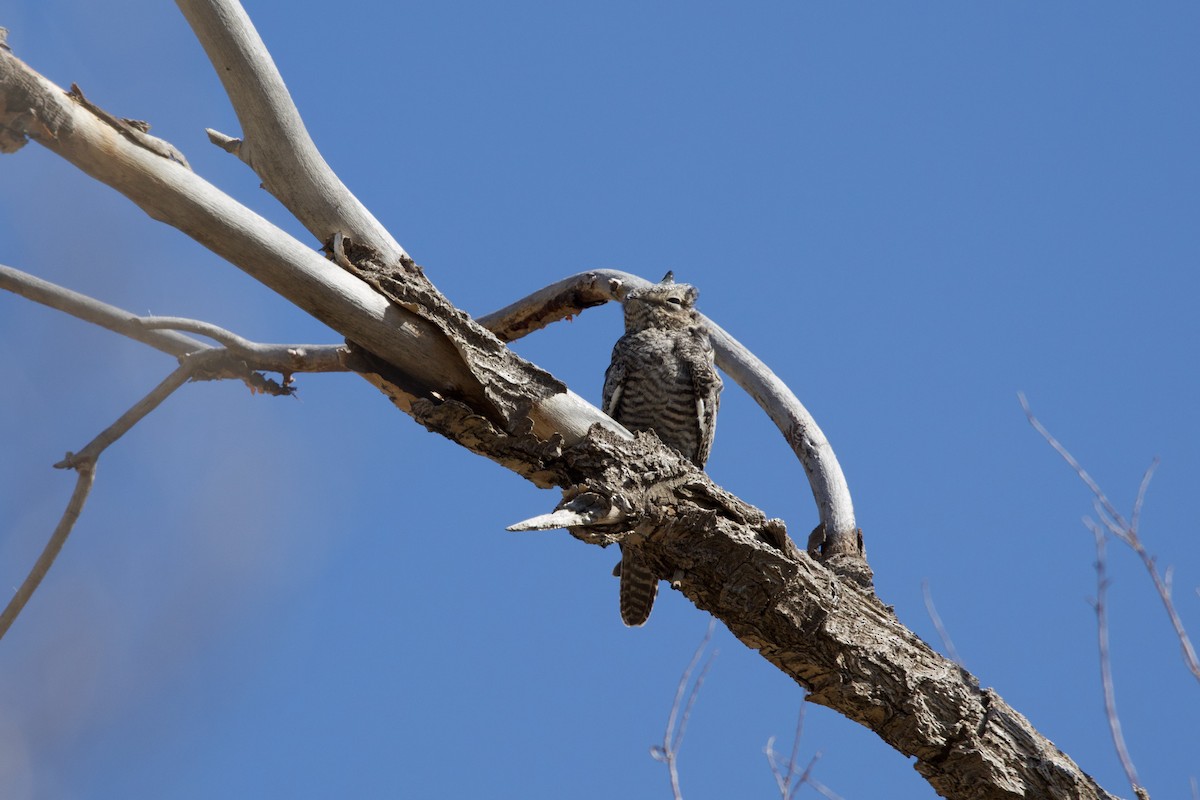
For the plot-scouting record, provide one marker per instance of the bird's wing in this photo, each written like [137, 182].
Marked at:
[706, 384]
[614, 382]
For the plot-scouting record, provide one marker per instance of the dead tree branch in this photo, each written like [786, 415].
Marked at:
[832, 636]
[84, 462]
[206, 364]
[241, 360]
[681, 711]
[789, 777]
[936, 619]
[284, 358]
[92, 310]
[1127, 532]
[83, 486]
[275, 143]
[1106, 680]
[162, 334]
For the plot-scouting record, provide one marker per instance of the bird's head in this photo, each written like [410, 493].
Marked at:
[665, 304]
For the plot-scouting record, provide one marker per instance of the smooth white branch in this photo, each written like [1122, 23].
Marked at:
[275, 142]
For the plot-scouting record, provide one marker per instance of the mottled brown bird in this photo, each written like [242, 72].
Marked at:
[661, 379]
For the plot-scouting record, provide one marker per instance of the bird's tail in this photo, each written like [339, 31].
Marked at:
[639, 587]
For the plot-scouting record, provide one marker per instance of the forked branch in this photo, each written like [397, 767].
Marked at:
[687, 692]
[1127, 532]
[789, 778]
[241, 359]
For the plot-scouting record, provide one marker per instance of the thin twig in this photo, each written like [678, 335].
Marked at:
[84, 462]
[692, 696]
[668, 752]
[83, 485]
[785, 776]
[795, 754]
[206, 363]
[1141, 495]
[1106, 679]
[823, 789]
[1109, 508]
[214, 332]
[162, 333]
[1127, 533]
[92, 310]
[241, 359]
[936, 618]
[285, 358]
[789, 779]
[92, 450]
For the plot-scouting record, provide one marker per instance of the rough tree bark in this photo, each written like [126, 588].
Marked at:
[810, 612]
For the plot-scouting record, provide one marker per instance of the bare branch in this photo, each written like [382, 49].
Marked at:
[214, 332]
[585, 508]
[793, 757]
[284, 358]
[275, 143]
[694, 694]
[170, 193]
[1141, 496]
[936, 618]
[823, 790]
[1127, 532]
[91, 310]
[161, 332]
[84, 462]
[83, 486]
[786, 777]
[417, 343]
[668, 751]
[562, 300]
[1101, 497]
[839, 535]
[1110, 695]
[204, 364]
[92, 450]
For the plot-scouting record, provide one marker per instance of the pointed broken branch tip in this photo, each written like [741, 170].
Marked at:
[581, 510]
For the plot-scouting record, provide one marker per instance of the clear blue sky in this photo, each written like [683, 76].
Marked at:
[910, 211]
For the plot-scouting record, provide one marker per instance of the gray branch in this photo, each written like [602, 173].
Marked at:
[92, 310]
[285, 358]
[162, 334]
[275, 143]
[83, 487]
[240, 359]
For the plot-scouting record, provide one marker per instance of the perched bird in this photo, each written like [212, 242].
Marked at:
[662, 379]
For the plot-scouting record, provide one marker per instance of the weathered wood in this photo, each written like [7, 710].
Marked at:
[829, 634]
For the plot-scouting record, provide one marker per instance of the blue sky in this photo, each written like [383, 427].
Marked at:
[910, 211]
